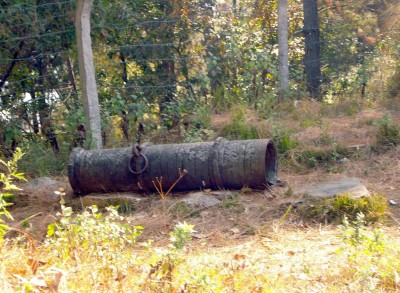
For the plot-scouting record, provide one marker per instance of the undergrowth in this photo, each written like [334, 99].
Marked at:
[8, 173]
[39, 160]
[374, 208]
[373, 262]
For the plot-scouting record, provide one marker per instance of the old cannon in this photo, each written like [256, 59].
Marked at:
[221, 164]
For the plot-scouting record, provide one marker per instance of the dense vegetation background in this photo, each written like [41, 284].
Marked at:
[168, 65]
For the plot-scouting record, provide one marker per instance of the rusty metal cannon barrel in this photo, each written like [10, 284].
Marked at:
[221, 164]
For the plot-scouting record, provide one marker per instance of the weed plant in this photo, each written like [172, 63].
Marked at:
[41, 160]
[373, 262]
[240, 128]
[8, 173]
[388, 133]
[374, 208]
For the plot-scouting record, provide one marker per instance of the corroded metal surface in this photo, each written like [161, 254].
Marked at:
[221, 164]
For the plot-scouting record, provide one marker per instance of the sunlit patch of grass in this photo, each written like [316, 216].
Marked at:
[374, 208]
[313, 260]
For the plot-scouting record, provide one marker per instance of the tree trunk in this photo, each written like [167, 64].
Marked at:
[44, 108]
[124, 114]
[87, 72]
[312, 56]
[35, 122]
[283, 44]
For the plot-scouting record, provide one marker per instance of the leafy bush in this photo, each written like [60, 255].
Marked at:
[7, 176]
[319, 157]
[91, 232]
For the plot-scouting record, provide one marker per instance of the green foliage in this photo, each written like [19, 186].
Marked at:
[182, 209]
[197, 125]
[374, 208]
[233, 203]
[8, 174]
[240, 128]
[96, 234]
[311, 158]
[42, 161]
[393, 86]
[372, 260]
[164, 262]
[283, 140]
[388, 133]
[181, 235]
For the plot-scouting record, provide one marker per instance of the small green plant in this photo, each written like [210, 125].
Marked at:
[311, 158]
[325, 139]
[163, 262]
[182, 209]
[232, 202]
[388, 133]
[181, 235]
[240, 128]
[8, 174]
[91, 231]
[355, 234]
[283, 140]
[374, 208]
[371, 259]
[195, 134]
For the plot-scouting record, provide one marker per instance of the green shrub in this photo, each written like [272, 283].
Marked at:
[283, 140]
[41, 160]
[182, 209]
[240, 128]
[8, 174]
[388, 133]
[374, 208]
[321, 157]
[91, 231]
[393, 86]
[233, 203]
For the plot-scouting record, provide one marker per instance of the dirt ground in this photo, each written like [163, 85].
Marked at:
[246, 212]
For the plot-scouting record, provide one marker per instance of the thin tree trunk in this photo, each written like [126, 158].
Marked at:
[312, 56]
[283, 44]
[44, 109]
[35, 122]
[124, 114]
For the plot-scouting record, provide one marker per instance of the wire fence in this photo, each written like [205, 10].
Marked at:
[177, 40]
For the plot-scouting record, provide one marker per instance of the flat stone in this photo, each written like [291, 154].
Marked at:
[110, 200]
[201, 200]
[352, 186]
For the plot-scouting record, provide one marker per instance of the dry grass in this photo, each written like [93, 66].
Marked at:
[284, 258]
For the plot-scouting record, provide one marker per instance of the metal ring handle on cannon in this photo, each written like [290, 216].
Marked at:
[146, 165]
